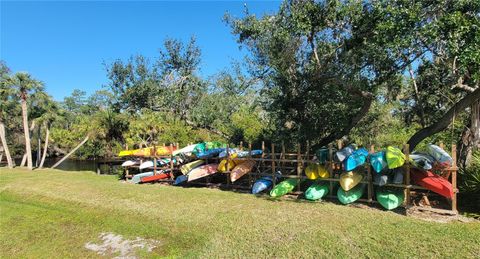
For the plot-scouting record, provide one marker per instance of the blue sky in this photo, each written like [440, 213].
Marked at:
[65, 43]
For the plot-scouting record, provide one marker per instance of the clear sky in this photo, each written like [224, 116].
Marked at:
[65, 43]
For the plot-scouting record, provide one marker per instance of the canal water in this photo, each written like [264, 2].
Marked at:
[75, 165]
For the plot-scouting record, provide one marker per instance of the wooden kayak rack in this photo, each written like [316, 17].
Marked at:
[292, 165]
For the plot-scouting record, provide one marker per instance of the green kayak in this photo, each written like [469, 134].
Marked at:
[352, 195]
[390, 198]
[316, 191]
[284, 187]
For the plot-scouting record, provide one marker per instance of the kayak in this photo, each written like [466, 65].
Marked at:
[395, 157]
[432, 182]
[390, 198]
[146, 164]
[422, 161]
[264, 183]
[180, 179]
[231, 151]
[284, 187]
[356, 159]
[316, 191]
[202, 171]
[442, 158]
[129, 163]
[138, 177]
[378, 161]
[155, 178]
[209, 153]
[222, 167]
[201, 147]
[346, 197]
[323, 155]
[255, 152]
[148, 151]
[398, 175]
[185, 150]
[381, 179]
[348, 180]
[242, 169]
[185, 169]
[343, 153]
[315, 171]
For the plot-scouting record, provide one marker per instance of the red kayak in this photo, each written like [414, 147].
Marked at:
[432, 182]
[154, 178]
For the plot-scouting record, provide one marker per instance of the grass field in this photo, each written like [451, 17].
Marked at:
[53, 214]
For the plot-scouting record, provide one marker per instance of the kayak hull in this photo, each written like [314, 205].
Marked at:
[316, 191]
[390, 199]
[241, 170]
[349, 180]
[202, 171]
[284, 187]
[315, 171]
[185, 169]
[347, 197]
[432, 182]
[155, 178]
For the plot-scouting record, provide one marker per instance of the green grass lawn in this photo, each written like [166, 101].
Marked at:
[52, 214]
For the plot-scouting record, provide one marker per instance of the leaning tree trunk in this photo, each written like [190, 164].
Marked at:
[45, 148]
[39, 147]
[3, 139]
[71, 152]
[445, 120]
[470, 139]
[28, 148]
[24, 157]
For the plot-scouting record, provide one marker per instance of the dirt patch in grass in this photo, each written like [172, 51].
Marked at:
[115, 245]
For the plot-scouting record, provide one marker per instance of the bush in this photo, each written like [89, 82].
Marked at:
[470, 176]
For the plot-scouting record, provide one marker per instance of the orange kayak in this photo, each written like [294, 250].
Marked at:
[148, 151]
[154, 178]
[241, 169]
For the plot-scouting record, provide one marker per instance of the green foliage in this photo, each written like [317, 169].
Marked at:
[470, 176]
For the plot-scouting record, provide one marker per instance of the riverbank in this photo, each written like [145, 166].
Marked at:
[49, 213]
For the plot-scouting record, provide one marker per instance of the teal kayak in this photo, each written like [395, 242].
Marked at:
[316, 191]
[389, 198]
[346, 197]
[138, 177]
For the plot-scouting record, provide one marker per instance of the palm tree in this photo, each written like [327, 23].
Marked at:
[24, 84]
[50, 113]
[5, 107]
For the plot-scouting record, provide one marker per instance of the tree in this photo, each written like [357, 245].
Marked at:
[5, 104]
[24, 85]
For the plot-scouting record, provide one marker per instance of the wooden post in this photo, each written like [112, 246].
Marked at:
[154, 159]
[339, 146]
[227, 171]
[282, 157]
[127, 171]
[274, 178]
[299, 165]
[171, 162]
[369, 176]
[330, 167]
[250, 157]
[241, 145]
[407, 173]
[454, 177]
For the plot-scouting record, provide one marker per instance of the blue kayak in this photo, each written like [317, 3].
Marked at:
[180, 179]
[378, 161]
[264, 183]
[422, 161]
[356, 159]
[255, 152]
[343, 153]
[210, 153]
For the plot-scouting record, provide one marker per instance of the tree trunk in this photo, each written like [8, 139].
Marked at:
[445, 120]
[3, 139]
[28, 147]
[45, 148]
[71, 152]
[470, 139]
[24, 158]
[39, 147]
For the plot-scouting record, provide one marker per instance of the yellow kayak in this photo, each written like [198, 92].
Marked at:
[190, 166]
[348, 180]
[148, 152]
[222, 167]
[315, 171]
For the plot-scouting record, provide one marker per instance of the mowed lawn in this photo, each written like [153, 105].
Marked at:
[53, 214]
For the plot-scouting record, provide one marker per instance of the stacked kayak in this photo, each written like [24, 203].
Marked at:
[202, 171]
[356, 159]
[349, 180]
[390, 198]
[315, 171]
[346, 197]
[241, 169]
[138, 177]
[155, 178]
[284, 187]
[185, 169]
[316, 191]
[432, 182]
[148, 152]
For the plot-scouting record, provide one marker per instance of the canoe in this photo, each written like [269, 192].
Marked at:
[346, 197]
[201, 147]
[356, 159]
[316, 191]
[129, 163]
[315, 171]
[378, 161]
[442, 158]
[348, 180]
[155, 178]
[185, 150]
[432, 182]
[390, 198]
[138, 177]
[422, 161]
[222, 167]
[395, 157]
[180, 179]
[241, 170]
[343, 153]
[185, 169]
[265, 183]
[209, 153]
[284, 187]
[202, 171]
[148, 152]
